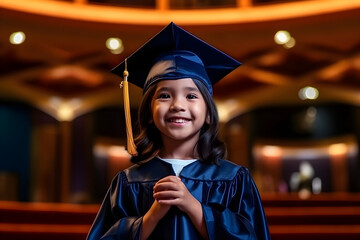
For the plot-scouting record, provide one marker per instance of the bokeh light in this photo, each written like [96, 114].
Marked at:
[17, 38]
[115, 45]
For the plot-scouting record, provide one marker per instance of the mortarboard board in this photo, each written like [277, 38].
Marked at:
[186, 56]
[173, 53]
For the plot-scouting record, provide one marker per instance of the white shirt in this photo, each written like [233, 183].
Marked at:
[178, 164]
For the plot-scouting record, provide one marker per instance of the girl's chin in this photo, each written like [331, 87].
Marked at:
[171, 136]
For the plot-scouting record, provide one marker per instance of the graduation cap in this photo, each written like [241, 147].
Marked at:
[173, 53]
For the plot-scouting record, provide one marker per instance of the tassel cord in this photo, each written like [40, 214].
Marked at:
[131, 148]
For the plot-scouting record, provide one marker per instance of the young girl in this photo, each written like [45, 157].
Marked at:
[180, 186]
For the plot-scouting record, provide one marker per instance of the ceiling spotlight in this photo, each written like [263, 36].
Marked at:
[282, 37]
[115, 45]
[285, 39]
[17, 38]
[308, 93]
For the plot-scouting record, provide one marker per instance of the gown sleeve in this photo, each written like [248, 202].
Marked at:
[114, 220]
[242, 217]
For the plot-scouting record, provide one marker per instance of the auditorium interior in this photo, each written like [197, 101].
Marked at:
[290, 113]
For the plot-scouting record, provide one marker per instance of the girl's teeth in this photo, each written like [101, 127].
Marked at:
[178, 120]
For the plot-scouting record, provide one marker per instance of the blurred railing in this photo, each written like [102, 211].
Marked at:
[160, 12]
[321, 217]
[182, 4]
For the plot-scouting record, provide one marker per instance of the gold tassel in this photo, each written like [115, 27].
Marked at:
[130, 145]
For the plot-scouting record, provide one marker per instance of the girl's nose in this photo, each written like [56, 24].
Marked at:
[177, 106]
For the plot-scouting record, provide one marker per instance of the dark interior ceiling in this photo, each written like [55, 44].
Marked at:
[67, 58]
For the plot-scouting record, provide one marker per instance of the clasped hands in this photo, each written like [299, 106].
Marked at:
[171, 191]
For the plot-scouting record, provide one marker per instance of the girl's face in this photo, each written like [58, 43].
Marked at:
[178, 110]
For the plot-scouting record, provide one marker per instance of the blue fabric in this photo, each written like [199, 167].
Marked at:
[231, 204]
[205, 62]
[177, 65]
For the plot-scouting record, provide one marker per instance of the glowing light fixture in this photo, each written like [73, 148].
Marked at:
[17, 38]
[308, 93]
[271, 151]
[338, 149]
[284, 38]
[65, 109]
[65, 112]
[115, 45]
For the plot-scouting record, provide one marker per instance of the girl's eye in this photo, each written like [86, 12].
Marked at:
[164, 95]
[191, 96]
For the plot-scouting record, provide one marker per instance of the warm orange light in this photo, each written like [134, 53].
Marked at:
[338, 149]
[271, 151]
[121, 15]
[65, 109]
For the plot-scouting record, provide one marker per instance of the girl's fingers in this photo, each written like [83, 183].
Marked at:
[170, 191]
[172, 202]
[167, 199]
[165, 186]
[169, 182]
[166, 195]
[169, 179]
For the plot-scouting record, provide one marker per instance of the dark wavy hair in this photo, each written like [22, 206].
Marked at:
[149, 141]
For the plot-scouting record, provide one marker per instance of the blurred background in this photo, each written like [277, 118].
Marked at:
[291, 113]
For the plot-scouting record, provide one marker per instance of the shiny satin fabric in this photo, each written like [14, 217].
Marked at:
[231, 204]
[174, 53]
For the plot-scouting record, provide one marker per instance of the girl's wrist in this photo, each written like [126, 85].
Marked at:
[194, 209]
[153, 216]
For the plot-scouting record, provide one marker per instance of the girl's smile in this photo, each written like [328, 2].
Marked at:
[178, 121]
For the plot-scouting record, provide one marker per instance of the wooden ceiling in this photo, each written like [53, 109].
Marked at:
[64, 55]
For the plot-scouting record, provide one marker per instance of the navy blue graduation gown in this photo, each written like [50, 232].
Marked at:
[231, 204]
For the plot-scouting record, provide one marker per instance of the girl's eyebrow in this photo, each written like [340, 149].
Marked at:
[192, 89]
[164, 89]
